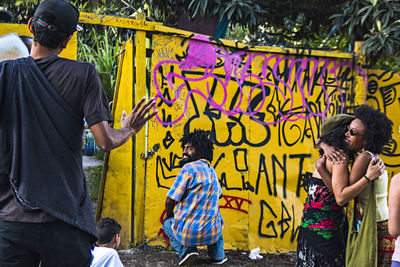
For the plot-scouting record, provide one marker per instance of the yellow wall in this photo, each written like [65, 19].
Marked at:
[116, 195]
[22, 30]
[263, 111]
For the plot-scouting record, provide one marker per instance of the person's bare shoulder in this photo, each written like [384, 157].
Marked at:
[395, 182]
[365, 155]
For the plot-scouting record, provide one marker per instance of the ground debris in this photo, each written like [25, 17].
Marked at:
[156, 256]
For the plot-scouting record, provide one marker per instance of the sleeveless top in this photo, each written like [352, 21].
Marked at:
[381, 185]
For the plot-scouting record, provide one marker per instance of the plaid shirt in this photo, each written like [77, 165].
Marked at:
[197, 220]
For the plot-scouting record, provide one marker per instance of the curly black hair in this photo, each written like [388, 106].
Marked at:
[378, 128]
[199, 139]
[336, 138]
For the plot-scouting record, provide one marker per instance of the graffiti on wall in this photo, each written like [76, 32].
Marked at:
[266, 79]
[263, 112]
[382, 93]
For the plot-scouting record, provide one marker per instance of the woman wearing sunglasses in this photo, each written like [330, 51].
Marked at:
[322, 231]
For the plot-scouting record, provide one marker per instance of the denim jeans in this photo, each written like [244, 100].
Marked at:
[215, 251]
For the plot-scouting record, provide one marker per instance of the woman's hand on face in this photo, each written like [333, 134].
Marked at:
[375, 168]
[335, 156]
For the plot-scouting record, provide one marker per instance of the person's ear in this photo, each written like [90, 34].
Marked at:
[65, 42]
[30, 25]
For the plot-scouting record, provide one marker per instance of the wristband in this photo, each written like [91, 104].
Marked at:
[369, 181]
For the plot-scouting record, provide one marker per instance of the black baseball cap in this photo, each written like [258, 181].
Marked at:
[66, 15]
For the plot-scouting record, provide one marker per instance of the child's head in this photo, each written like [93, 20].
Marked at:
[108, 230]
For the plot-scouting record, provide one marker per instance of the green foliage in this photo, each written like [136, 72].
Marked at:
[373, 22]
[100, 155]
[242, 12]
[22, 10]
[100, 52]
[387, 62]
[309, 24]
[93, 179]
[332, 24]
[238, 34]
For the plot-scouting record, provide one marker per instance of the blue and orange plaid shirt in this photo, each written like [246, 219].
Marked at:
[197, 220]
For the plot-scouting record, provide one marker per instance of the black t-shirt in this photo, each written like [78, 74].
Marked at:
[79, 85]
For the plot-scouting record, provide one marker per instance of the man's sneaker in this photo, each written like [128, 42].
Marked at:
[190, 255]
[213, 261]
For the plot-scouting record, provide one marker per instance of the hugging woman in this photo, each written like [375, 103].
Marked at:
[323, 228]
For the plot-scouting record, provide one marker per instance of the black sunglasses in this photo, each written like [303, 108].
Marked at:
[352, 131]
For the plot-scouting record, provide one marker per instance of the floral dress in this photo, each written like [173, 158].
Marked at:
[323, 229]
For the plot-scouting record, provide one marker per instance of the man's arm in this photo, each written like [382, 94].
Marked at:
[108, 138]
[169, 208]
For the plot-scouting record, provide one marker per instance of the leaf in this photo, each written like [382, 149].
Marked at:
[191, 4]
[365, 16]
[378, 25]
[363, 9]
[385, 20]
[373, 2]
[382, 39]
[203, 8]
[196, 10]
[336, 16]
[230, 12]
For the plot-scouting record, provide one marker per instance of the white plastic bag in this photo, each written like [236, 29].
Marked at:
[12, 47]
[255, 254]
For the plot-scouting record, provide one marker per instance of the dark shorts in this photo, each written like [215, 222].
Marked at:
[51, 244]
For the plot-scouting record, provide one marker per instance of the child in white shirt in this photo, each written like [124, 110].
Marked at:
[105, 254]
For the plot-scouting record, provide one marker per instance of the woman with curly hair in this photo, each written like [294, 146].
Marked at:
[377, 133]
[322, 231]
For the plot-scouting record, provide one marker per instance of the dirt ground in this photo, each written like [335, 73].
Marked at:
[154, 256]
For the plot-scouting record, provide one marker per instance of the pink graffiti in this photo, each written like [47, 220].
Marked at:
[204, 56]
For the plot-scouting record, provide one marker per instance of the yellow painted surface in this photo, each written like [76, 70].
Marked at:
[22, 29]
[118, 187]
[269, 49]
[263, 110]
[107, 155]
[140, 167]
[129, 23]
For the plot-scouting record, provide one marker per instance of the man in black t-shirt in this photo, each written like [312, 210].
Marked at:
[45, 211]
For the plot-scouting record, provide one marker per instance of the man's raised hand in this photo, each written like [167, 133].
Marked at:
[137, 118]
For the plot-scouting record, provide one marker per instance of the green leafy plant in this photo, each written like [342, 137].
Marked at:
[22, 10]
[101, 52]
[375, 23]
